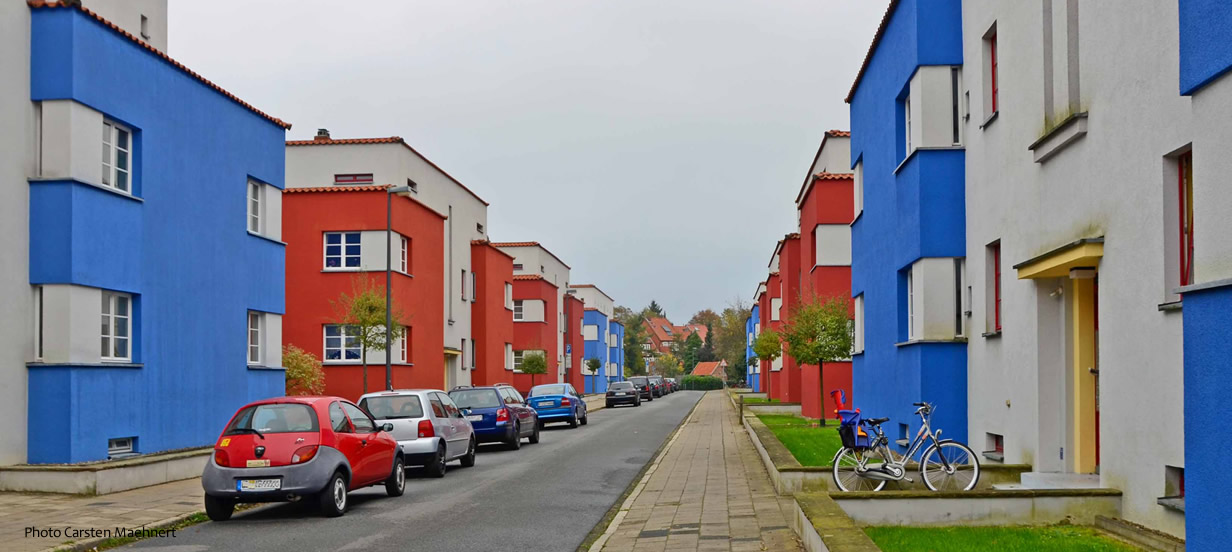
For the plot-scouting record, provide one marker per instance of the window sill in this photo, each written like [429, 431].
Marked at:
[1065, 133]
[994, 456]
[266, 238]
[928, 341]
[991, 335]
[84, 365]
[1203, 286]
[989, 120]
[859, 216]
[261, 367]
[107, 189]
[1169, 306]
[1172, 503]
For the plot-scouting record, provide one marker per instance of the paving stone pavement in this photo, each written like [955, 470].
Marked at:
[708, 491]
[150, 506]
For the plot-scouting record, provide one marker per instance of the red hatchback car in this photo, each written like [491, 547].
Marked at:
[289, 448]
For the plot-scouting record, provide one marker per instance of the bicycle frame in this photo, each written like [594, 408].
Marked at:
[892, 459]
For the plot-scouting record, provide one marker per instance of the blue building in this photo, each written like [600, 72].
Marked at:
[752, 327]
[616, 351]
[1206, 76]
[595, 331]
[156, 209]
[908, 242]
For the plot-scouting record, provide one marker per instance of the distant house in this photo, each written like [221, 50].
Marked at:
[716, 369]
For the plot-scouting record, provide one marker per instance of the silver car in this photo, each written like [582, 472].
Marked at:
[427, 425]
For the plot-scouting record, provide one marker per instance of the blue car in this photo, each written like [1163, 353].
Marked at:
[498, 414]
[558, 402]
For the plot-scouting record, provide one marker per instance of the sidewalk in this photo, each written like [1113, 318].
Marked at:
[150, 506]
[707, 491]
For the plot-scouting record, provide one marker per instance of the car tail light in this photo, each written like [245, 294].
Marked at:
[502, 415]
[426, 429]
[221, 458]
[565, 402]
[304, 454]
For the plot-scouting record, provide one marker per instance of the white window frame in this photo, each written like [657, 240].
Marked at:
[113, 152]
[113, 446]
[254, 338]
[910, 304]
[255, 206]
[858, 192]
[38, 322]
[343, 335]
[342, 255]
[404, 346]
[519, 310]
[404, 260]
[508, 295]
[111, 321]
[509, 356]
[474, 291]
[857, 341]
[907, 122]
[464, 285]
[517, 361]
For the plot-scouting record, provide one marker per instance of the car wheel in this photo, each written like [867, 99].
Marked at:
[607, 405]
[333, 499]
[637, 402]
[469, 460]
[534, 437]
[437, 466]
[219, 509]
[516, 443]
[585, 417]
[573, 421]
[395, 485]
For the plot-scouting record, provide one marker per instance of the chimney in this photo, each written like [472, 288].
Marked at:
[322, 134]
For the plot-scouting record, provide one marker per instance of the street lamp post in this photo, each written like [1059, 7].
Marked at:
[389, 273]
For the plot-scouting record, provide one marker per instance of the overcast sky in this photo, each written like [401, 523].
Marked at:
[656, 146]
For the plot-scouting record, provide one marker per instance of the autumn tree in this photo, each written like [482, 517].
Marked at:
[363, 313]
[534, 363]
[819, 331]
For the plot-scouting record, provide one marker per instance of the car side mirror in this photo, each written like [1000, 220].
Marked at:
[387, 427]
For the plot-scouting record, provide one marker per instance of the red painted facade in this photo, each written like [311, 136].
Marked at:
[491, 318]
[307, 214]
[535, 335]
[574, 341]
[792, 277]
[774, 379]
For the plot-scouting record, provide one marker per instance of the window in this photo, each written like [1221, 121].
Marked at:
[337, 420]
[254, 337]
[473, 284]
[858, 185]
[342, 250]
[414, 186]
[910, 305]
[341, 343]
[472, 354]
[993, 255]
[352, 179]
[145, 27]
[517, 360]
[116, 327]
[590, 332]
[857, 341]
[958, 297]
[116, 155]
[404, 346]
[517, 267]
[479, 227]
[776, 306]
[508, 295]
[38, 323]
[1184, 188]
[254, 206]
[954, 103]
[464, 286]
[517, 310]
[451, 409]
[907, 122]
[508, 356]
[359, 420]
[404, 255]
[121, 445]
[991, 79]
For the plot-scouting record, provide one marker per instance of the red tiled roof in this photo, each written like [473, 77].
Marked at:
[839, 133]
[656, 324]
[40, 4]
[708, 368]
[808, 178]
[792, 236]
[868, 58]
[808, 184]
[325, 189]
[531, 244]
[590, 309]
[527, 277]
[494, 248]
[833, 176]
[387, 140]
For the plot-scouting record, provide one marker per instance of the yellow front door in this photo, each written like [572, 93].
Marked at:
[1084, 374]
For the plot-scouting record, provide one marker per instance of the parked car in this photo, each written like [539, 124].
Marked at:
[623, 392]
[289, 448]
[645, 390]
[672, 384]
[557, 402]
[427, 425]
[497, 414]
[658, 388]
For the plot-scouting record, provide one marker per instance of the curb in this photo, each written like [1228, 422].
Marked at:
[92, 544]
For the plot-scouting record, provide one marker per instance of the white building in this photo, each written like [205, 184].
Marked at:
[533, 258]
[391, 161]
[1075, 133]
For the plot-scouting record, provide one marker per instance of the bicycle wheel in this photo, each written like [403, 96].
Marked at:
[845, 476]
[959, 472]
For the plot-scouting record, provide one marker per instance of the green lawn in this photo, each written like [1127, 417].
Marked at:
[812, 446]
[1001, 539]
[759, 400]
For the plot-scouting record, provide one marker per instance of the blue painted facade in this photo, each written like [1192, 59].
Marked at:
[596, 348]
[616, 355]
[1206, 57]
[751, 378]
[179, 245]
[914, 208]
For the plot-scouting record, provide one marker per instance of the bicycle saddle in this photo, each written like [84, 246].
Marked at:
[876, 421]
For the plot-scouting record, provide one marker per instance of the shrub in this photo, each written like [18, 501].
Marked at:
[701, 383]
[304, 373]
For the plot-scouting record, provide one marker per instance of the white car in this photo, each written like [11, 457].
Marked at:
[427, 425]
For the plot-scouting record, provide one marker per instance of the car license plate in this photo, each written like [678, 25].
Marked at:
[475, 418]
[244, 485]
[622, 393]
[548, 403]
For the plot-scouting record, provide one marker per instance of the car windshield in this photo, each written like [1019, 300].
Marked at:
[475, 398]
[620, 385]
[393, 407]
[274, 418]
[547, 390]
[637, 381]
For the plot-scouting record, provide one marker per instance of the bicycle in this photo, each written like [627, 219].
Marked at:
[945, 465]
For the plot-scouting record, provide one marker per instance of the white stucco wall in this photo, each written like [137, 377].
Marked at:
[17, 147]
[127, 14]
[595, 299]
[834, 157]
[1212, 134]
[1110, 183]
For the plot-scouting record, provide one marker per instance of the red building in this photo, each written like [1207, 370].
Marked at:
[771, 309]
[336, 240]
[535, 327]
[492, 314]
[574, 342]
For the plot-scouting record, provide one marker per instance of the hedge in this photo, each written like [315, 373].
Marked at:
[701, 383]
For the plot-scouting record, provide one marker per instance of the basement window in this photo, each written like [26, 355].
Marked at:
[994, 447]
[1174, 489]
[121, 446]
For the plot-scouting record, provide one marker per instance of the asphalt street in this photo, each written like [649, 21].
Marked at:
[543, 497]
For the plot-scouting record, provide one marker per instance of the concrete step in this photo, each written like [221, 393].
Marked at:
[1050, 480]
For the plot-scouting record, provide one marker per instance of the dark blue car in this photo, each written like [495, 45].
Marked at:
[498, 414]
[557, 402]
